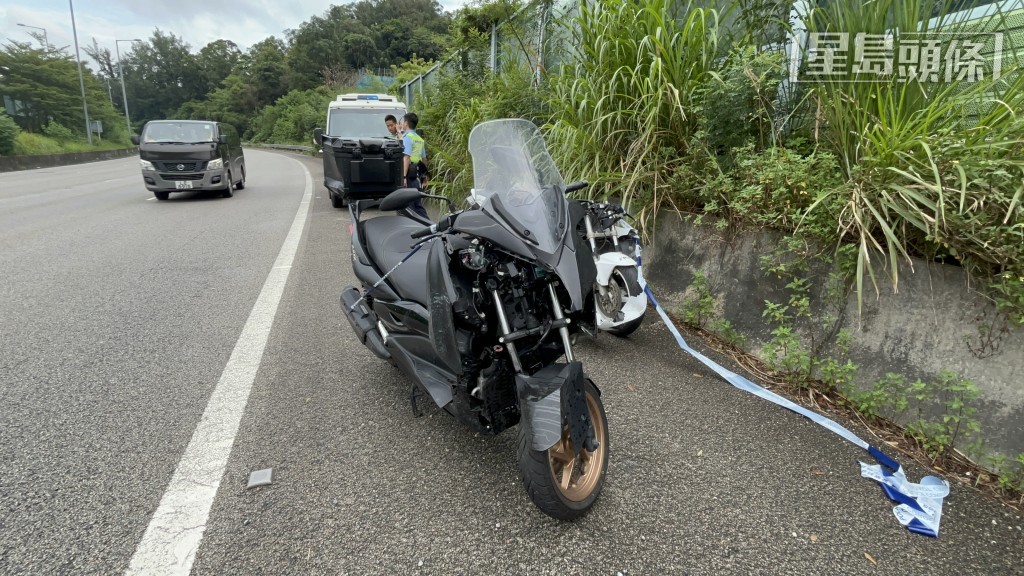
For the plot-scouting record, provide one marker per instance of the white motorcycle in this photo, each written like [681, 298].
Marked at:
[620, 302]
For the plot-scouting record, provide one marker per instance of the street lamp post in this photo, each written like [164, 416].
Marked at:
[81, 79]
[46, 41]
[120, 70]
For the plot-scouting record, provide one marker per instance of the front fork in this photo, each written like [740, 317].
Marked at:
[508, 338]
[555, 396]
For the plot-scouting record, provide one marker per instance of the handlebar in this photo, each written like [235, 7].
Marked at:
[442, 226]
[576, 186]
[432, 229]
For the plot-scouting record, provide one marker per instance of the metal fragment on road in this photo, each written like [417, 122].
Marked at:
[260, 478]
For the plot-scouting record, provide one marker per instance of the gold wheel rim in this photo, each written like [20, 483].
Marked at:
[577, 475]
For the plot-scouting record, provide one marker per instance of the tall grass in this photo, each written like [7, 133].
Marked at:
[624, 113]
[930, 167]
[451, 107]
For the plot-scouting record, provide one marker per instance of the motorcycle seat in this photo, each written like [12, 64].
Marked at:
[388, 240]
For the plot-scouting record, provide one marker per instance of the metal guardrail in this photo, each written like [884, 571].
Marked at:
[280, 146]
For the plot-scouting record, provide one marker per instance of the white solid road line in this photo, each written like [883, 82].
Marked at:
[174, 533]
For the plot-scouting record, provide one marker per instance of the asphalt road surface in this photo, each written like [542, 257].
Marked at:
[127, 324]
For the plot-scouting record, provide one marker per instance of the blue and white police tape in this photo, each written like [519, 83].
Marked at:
[919, 506]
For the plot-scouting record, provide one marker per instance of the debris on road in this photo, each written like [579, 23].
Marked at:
[260, 478]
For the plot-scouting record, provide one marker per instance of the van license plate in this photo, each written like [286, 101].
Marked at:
[183, 184]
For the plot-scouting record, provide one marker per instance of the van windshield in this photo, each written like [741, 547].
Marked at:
[360, 123]
[183, 132]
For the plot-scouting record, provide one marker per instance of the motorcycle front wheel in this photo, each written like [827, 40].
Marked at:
[563, 484]
[623, 280]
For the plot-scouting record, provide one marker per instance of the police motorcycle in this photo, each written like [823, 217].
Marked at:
[479, 310]
[620, 302]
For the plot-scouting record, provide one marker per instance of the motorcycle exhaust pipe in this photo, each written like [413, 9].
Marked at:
[363, 321]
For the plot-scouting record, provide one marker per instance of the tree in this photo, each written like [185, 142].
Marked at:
[318, 44]
[8, 133]
[217, 60]
[160, 75]
[45, 85]
[263, 67]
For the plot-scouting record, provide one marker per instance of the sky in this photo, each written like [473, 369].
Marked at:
[199, 22]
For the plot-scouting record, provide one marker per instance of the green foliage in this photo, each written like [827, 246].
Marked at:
[408, 70]
[747, 85]
[727, 332]
[9, 131]
[45, 86]
[453, 104]
[28, 144]
[801, 333]
[160, 74]
[930, 166]
[57, 132]
[292, 118]
[775, 187]
[624, 109]
[888, 397]
[699, 306]
[1008, 292]
[955, 400]
[944, 409]
[375, 33]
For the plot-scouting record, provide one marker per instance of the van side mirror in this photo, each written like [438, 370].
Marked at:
[318, 136]
[223, 139]
[135, 139]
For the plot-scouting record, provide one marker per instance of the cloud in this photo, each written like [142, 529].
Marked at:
[198, 22]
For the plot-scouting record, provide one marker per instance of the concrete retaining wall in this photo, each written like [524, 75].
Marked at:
[932, 324]
[12, 163]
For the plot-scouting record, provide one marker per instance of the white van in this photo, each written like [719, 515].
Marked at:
[361, 158]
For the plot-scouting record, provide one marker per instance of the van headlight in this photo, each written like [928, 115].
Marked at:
[147, 165]
[217, 164]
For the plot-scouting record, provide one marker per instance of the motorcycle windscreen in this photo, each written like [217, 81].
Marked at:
[513, 170]
[442, 295]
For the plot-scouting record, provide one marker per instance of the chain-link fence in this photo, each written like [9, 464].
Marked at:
[530, 37]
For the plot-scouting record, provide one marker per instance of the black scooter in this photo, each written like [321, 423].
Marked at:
[479, 309]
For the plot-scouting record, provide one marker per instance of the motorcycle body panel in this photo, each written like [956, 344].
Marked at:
[442, 320]
[551, 396]
[633, 305]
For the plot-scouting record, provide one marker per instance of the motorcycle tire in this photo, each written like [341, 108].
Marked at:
[562, 494]
[632, 285]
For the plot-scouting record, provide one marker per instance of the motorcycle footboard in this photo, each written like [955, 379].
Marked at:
[363, 321]
[553, 397]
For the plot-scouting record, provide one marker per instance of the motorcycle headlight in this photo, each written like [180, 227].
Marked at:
[217, 164]
[147, 165]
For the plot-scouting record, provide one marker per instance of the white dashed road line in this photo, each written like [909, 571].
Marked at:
[172, 538]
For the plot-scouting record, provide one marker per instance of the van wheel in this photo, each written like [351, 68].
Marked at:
[241, 183]
[162, 195]
[337, 201]
[227, 193]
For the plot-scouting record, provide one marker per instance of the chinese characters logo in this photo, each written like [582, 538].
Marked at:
[925, 57]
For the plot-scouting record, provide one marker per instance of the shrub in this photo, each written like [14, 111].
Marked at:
[9, 132]
[59, 132]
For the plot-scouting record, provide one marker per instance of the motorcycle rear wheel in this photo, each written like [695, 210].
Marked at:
[564, 485]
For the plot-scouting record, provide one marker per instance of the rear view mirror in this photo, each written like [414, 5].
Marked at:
[135, 139]
[223, 139]
[318, 136]
[399, 199]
